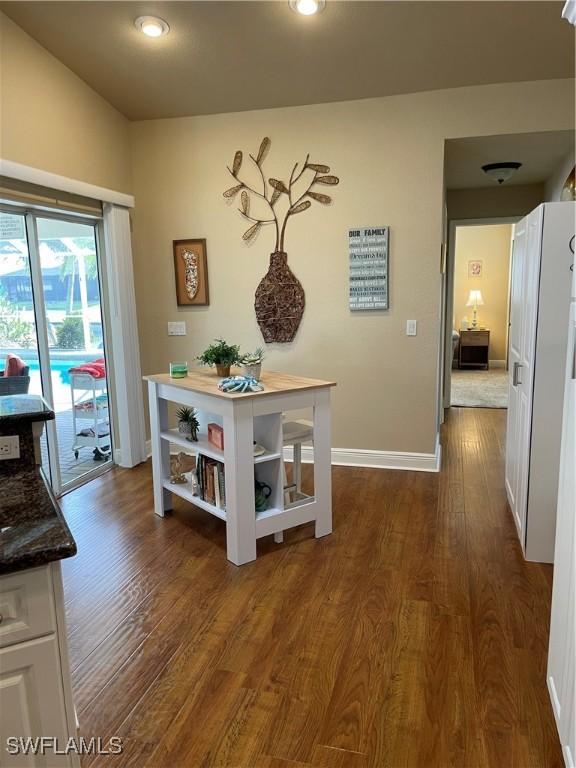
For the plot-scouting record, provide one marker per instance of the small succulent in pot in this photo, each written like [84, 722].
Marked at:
[251, 363]
[222, 355]
[188, 423]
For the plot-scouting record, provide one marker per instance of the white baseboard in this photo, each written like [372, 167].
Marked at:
[497, 363]
[360, 457]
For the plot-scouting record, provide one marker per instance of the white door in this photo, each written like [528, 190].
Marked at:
[522, 340]
[514, 351]
[562, 649]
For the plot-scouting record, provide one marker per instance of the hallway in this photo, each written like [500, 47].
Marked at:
[414, 636]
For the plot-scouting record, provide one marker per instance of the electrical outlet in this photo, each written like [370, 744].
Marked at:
[177, 329]
[9, 447]
[411, 327]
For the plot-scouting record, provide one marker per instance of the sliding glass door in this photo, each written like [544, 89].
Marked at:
[51, 322]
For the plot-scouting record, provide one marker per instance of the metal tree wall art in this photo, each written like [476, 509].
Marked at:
[279, 300]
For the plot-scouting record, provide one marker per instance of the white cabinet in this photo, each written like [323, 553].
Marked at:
[26, 606]
[35, 689]
[32, 699]
[562, 649]
[539, 304]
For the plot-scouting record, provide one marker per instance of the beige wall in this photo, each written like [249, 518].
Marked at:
[388, 153]
[555, 183]
[489, 244]
[494, 202]
[50, 119]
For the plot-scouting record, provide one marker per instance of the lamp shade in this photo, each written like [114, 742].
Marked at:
[475, 298]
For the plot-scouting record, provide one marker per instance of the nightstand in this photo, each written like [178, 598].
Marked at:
[474, 348]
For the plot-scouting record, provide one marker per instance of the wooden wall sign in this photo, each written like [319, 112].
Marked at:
[368, 254]
[191, 272]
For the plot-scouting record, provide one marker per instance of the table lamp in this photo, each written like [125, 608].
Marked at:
[475, 300]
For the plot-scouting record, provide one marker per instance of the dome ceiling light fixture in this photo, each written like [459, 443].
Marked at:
[501, 172]
[151, 26]
[307, 7]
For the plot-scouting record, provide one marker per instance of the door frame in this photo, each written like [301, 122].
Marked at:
[453, 224]
[30, 215]
[118, 298]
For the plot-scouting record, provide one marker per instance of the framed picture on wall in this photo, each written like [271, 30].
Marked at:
[474, 269]
[191, 272]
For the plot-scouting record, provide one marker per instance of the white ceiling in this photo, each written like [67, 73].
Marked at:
[234, 56]
[540, 154]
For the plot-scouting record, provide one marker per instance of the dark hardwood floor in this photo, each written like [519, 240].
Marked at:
[414, 636]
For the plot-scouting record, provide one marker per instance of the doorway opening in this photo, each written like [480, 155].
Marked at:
[476, 374]
[52, 332]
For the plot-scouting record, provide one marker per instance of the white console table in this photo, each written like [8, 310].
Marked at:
[245, 418]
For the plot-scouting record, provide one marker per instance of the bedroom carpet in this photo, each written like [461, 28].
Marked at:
[480, 389]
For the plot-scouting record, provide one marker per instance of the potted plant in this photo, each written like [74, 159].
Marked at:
[222, 355]
[188, 424]
[251, 363]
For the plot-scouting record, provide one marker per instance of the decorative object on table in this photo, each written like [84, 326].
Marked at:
[222, 355]
[191, 271]
[188, 424]
[569, 189]
[177, 476]
[279, 301]
[179, 370]
[194, 482]
[262, 493]
[475, 268]
[368, 257]
[252, 363]
[216, 435]
[475, 300]
[240, 384]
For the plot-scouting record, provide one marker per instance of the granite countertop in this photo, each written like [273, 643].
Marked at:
[33, 531]
[23, 408]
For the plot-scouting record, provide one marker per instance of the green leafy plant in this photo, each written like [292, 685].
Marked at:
[70, 335]
[253, 358]
[14, 332]
[188, 417]
[220, 353]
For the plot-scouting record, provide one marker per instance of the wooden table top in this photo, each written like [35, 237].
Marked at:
[205, 381]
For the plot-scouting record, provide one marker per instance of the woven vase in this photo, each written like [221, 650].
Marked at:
[279, 301]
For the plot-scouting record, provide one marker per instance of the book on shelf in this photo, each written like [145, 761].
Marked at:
[217, 500]
[211, 481]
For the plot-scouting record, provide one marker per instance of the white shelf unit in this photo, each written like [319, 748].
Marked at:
[86, 393]
[245, 420]
[174, 437]
[268, 469]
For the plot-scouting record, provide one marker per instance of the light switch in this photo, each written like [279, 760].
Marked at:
[411, 327]
[177, 329]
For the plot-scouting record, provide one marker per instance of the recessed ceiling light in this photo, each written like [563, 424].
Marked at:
[152, 26]
[307, 7]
